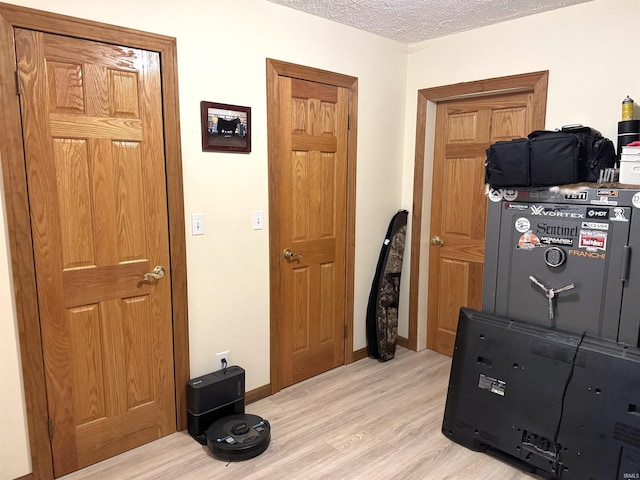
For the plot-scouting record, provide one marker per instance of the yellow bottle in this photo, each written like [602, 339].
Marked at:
[627, 109]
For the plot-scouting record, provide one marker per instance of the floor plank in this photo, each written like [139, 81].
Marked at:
[368, 420]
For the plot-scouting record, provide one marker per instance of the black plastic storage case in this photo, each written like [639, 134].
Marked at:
[213, 396]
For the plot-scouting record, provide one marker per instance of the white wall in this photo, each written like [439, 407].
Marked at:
[591, 51]
[222, 47]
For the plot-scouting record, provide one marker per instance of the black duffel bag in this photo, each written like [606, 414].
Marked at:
[573, 154]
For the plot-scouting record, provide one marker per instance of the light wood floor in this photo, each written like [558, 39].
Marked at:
[368, 420]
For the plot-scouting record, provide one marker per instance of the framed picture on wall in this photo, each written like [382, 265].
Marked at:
[225, 128]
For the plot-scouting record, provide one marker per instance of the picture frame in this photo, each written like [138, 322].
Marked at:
[225, 127]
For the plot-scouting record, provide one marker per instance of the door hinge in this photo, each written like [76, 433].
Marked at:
[18, 83]
[345, 331]
[50, 426]
[349, 122]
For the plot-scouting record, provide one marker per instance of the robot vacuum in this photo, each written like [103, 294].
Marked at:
[238, 437]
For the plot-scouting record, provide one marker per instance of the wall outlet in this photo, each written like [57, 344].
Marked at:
[220, 358]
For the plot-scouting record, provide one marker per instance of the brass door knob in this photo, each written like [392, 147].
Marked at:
[437, 241]
[288, 254]
[157, 273]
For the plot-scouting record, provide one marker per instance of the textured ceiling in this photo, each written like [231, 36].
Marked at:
[411, 21]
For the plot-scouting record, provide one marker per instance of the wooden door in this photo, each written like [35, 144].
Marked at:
[313, 139]
[464, 130]
[92, 125]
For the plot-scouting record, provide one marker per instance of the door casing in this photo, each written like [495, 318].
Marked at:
[18, 220]
[536, 83]
[276, 68]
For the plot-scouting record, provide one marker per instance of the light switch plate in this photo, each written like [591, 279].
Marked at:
[257, 220]
[197, 224]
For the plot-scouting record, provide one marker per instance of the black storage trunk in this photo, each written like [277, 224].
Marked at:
[214, 396]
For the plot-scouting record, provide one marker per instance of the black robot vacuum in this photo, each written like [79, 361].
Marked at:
[238, 437]
[216, 418]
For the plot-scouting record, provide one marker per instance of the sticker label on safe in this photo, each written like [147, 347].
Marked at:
[558, 211]
[594, 255]
[492, 384]
[496, 194]
[593, 240]
[523, 224]
[619, 215]
[528, 241]
[595, 225]
[516, 206]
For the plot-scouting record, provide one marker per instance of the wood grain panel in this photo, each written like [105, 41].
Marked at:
[306, 89]
[84, 286]
[85, 52]
[454, 283]
[458, 150]
[508, 123]
[314, 119]
[114, 344]
[463, 249]
[66, 125]
[138, 428]
[465, 194]
[457, 206]
[327, 205]
[301, 320]
[85, 343]
[74, 202]
[299, 116]
[104, 176]
[299, 200]
[463, 127]
[327, 303]
[132, 237]
[328, 116]
[304, 142]
[66, 89]
[123, 94]
[96, 91]
[139, 326]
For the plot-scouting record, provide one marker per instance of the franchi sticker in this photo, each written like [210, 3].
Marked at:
[594, 255]
[593, 240]
[636, 200]
[523, 224]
